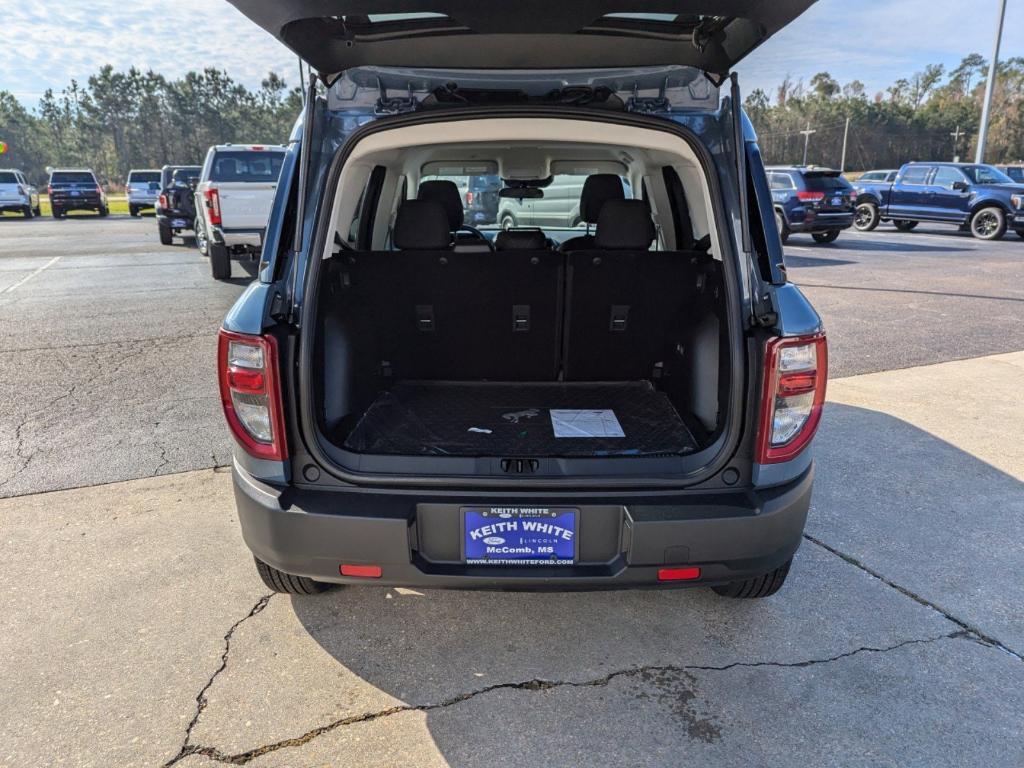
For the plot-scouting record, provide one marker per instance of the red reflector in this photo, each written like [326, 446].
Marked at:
[245, 381]
[362, 571]
[797, 383]
[678, 574]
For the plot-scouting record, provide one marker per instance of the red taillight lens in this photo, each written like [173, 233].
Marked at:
[796, 372]
[362, 571]
[213, 205]
[250, 393]
[678, 574]
[163, 201]
[49, 189]
[469, 198]
[811, 197]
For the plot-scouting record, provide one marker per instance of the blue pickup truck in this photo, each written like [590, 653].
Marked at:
[978, 198]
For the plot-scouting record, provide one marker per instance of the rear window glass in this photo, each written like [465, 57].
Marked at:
[6, 177]
[1017, 174]
[247, 166]
[72, 177]
[825, 183]
[143, 177]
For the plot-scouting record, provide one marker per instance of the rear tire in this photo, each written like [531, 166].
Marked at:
[988, 223]
[202, 240]
[866, 217]
[28, 212]
[903, 225]
[166, 235]
[38, 211]
[285, 583]
[57, 213]
[825, 237]
[780, 224]
[133, 211]
[104, 211]
[760, 586]
[220, 262]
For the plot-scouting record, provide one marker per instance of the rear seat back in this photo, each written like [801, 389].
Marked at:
[446, 315]
[625, 302]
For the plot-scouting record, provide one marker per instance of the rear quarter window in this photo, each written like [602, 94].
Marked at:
[780, 181]
[245, 166]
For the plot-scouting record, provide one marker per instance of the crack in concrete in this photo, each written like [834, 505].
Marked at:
[966, 626]
[187, 748]
[19, 449]
[536, 684]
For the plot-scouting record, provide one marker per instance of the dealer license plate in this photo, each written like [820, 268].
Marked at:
[520, 535]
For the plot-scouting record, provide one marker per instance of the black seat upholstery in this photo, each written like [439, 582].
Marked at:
[598, 189]
[521, 240]
[421, 225]
[626, 303]
[446, 194]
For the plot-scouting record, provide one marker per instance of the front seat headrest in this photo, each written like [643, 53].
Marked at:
[421, 225]
[625, 225]
[598, 189]
[447, 194]
[521, 240]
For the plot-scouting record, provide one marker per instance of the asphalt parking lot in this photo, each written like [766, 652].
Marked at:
[139, 634]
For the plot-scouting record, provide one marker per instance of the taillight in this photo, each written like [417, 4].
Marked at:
[796, 371]
[251, 393]
[49, 189]
[213, 205]
[469, 198]
[163, 201]
[811, 197]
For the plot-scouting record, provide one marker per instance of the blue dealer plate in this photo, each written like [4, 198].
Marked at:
[519, 535]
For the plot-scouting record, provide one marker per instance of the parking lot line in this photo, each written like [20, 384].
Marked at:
[25, 279]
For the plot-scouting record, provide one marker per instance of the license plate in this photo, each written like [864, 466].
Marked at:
[837, 201]
[179, 223]
[519, 535]
[75, 193]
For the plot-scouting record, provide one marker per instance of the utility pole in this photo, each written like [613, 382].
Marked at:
[846, 133]
[956, 143]
[979, 155]
[807, 139]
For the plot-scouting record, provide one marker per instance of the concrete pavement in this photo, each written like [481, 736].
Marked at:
[139, 634]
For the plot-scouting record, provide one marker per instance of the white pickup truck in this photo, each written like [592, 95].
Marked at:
[233, 201]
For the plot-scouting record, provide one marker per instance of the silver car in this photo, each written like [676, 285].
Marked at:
[143, 189]
[17, 195]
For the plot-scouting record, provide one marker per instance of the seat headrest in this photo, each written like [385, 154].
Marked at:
[447, 194]
[421, 225]
[521, 240]
[598, 189]
[625, 225]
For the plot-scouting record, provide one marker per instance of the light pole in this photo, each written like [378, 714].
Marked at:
[979, 155]
[956, 143]
[807, 140]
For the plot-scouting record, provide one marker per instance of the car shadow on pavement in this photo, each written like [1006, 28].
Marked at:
[609, 667]
[903, 246]
[814, 261]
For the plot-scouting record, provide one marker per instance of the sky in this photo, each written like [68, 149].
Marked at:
[874, 41]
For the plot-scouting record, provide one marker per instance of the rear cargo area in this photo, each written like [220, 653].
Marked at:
[521, 354]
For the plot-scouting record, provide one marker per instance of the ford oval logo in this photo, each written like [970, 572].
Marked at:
[494, 540]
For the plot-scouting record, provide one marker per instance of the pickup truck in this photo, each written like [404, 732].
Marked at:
[978, 198]
[233, 200]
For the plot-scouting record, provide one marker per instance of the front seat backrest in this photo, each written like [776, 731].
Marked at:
[447, 195]
[598, 189]
[625, 225]
[421, 225]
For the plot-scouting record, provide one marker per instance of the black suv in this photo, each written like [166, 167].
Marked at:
[418, 401]
[810, 199]
[76, 190]
[176, 206]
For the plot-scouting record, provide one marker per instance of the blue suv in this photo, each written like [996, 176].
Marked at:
[810, 199]
[419, 397]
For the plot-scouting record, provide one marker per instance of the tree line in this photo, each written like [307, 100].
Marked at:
[117, 121]
[934, 115]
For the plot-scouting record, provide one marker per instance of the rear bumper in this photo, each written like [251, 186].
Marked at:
[143, 201]
[822, 222]
[83, 203]
[166, 217]
[238, 238]
[623, 542]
